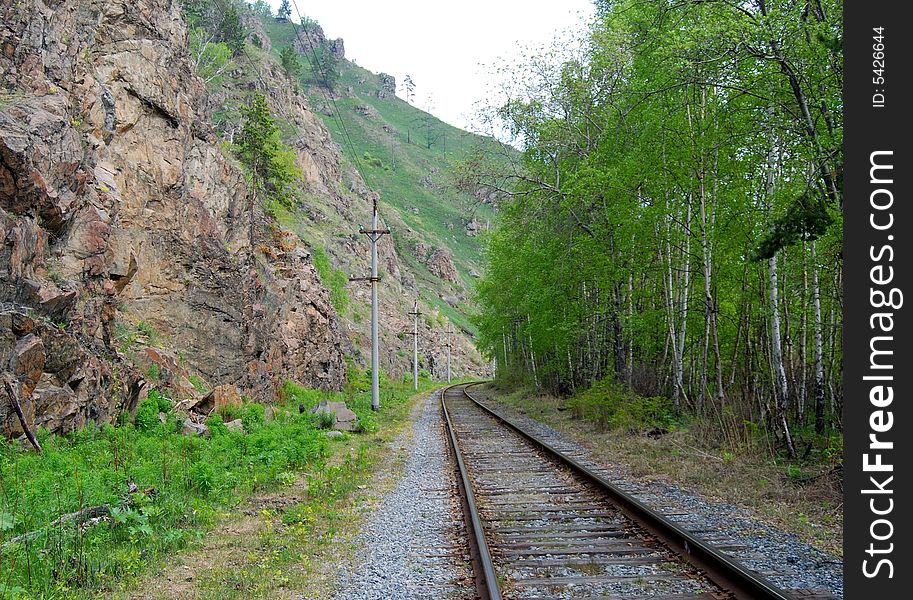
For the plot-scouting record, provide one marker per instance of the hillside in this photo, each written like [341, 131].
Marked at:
[407, 155]
[148, 249]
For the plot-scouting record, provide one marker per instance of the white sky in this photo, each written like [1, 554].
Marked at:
[448, 48]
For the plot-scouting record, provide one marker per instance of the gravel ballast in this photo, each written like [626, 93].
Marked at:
[412, 543]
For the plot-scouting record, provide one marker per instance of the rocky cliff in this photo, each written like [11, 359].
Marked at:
[125, 226]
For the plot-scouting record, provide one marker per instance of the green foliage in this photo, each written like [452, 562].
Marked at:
[371, 160]
[326, 66]
[231, 32]
[285, 10]
[806, 219]
[301, 396]
[153, 372]
[216, 425]
[335, 279]
[262, 8]
[163, 403]
[218, 21]
[326, 419]
[229, 412]
[252, 416]
[147, 415]
[198, 384]
[212, 59]
[269, 161]
[289, 59]
[631, 249]
[309, 24]
[612, 406]
[149, 331]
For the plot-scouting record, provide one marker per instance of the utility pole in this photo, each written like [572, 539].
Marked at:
[414, 314]
[449, 345]
[374, 235]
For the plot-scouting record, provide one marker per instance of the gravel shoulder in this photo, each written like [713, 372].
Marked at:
[411, 540]
[780, 556]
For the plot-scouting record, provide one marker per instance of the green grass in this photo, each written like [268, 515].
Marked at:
[185, 482]
[335, 279]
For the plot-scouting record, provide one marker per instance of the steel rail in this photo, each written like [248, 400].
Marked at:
[726, 572]
[486, 581]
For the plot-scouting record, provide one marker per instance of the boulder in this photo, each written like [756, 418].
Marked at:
[57, 408]
[27, 362]
[440, 264]
[333, 434]
[366, 110]
[218, 398]
[235, 425]
[387, 85]
[346, 420]
[193, 428]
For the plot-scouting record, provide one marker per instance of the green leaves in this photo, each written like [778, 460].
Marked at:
[289, 59]
[7, 521]
[806, 219]
[681, 145]
[259, 146]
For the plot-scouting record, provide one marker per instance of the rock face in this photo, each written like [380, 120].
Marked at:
[311, 38]
[117, 206]
[387, 86]
[440, 264]
[256, 34]
[218, 399]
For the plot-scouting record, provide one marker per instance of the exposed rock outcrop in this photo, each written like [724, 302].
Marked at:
[440, 264]
[114, 195]
[387, 86]
[311, 39]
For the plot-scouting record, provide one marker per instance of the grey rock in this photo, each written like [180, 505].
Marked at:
[346, 420]
[192, 428]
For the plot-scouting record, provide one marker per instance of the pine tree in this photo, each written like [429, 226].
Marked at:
[285, 10]
[289, 59]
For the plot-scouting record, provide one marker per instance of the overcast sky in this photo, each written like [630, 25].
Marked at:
[447, 47]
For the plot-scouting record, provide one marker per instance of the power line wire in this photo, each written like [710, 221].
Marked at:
[329, 98]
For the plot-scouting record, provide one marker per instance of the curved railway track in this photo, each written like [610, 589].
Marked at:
[544, 526]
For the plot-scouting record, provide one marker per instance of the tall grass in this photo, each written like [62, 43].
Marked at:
[160, 490]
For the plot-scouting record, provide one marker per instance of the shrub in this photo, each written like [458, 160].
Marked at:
[163, 403]
[229, 412]
[326, 419]
[147, 414]
[216, 425]
[252, 416]
[613, 406]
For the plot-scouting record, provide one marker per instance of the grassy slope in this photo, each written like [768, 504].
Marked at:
[404, 164]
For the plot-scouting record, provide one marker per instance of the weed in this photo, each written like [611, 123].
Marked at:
[252, 416]
[185, 483]
[149, 331]
[198, 384]
[229, 412]
[334, 279]
[216, 426]
[147, 415]
[326, 419]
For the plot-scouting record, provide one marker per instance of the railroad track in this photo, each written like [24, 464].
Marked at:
[544, 526]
